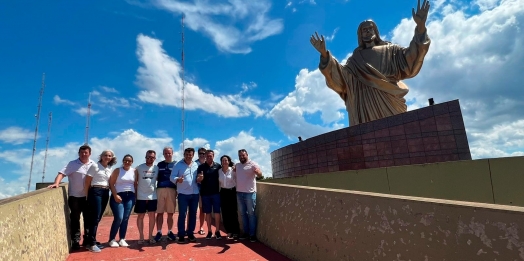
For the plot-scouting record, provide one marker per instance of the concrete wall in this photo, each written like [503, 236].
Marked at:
[33, 226]
[496, 181]
[307, 223]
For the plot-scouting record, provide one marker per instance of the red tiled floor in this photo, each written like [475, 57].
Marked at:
[202, 249]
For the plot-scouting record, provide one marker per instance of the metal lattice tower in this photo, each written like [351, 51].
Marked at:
[88, 120]
[183, 90]
[47, 143]
[36, 130]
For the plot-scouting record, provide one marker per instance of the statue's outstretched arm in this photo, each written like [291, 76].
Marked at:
[421, 15]
[319, 43]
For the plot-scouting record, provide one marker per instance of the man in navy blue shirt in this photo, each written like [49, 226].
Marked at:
[210, 192]
[166, 195]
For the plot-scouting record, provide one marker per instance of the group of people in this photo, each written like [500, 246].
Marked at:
[219, 188]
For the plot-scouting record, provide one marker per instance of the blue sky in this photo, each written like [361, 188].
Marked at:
[251, 74]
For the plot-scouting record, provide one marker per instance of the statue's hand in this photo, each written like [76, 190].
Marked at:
[421, 15]
[319, 43]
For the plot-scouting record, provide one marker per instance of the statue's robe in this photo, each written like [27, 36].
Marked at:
[370, 83]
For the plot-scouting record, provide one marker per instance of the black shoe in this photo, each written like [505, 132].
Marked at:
[191, 238]
[170, 236]
[235, 236]
[99, 245]
[243, 236]
[158, 237]
[217, 235]
[209, 235]
[253, 239]
[75, 245]
[181, 240]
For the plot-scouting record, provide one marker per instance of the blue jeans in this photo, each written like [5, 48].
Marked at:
[185, 202]
[246, 205]
[121, 213]
[97, 201]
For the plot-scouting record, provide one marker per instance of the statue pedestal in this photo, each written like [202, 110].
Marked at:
[427, 135]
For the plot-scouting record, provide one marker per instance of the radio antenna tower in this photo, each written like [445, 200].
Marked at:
[47, 143]
[88, 121]
[36, 130]
[183, 90]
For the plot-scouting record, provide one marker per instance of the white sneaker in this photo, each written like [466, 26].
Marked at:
[123, 243]
[113, 243]
[95, 249]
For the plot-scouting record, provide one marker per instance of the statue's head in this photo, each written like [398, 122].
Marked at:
[368, 32]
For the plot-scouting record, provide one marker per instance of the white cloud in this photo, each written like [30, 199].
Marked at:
[159, 76]
[108, 89]
[502, 140]
[311, 96]
[83, 111]
[16, 135]
[257, 148]
[332, 37]
[12, 188]
[486, 4]
[58, 100]
[221, 20]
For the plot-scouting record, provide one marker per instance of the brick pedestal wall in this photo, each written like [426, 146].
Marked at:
[427, 135]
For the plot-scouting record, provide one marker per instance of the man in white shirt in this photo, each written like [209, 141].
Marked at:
[246, 173]
[76, 171]
[146, 199]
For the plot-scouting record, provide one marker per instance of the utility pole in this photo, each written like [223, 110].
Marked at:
[36, 130]
[183, 90]
[47, 143]
[88, 121]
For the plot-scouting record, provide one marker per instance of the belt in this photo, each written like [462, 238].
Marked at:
[229, 188]
[99, 186]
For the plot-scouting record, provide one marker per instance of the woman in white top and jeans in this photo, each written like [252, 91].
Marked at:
[122, 185]
[228, 197]
[97, 191]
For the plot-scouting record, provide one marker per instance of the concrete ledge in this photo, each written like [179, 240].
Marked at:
[34, 226]
[306, 223]
[495, 181]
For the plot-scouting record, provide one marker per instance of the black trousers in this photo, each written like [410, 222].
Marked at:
[228, 205]
[78, 206]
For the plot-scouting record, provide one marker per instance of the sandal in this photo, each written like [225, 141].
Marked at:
[201, 232]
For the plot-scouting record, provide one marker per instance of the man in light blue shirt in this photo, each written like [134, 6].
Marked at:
[184, 174]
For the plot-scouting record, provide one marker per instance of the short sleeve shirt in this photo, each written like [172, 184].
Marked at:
[146, 188]
[246, 177]
[76, 171]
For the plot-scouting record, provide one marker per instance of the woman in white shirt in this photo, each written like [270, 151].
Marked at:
[122, 185]
[97, 190]
[228, 197]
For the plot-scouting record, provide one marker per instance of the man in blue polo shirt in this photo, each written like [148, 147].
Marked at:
[166, 195]
[184, 174]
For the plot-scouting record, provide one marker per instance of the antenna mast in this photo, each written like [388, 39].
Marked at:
[47, 143]
[86, 137]
[36, 129]
[183, 90]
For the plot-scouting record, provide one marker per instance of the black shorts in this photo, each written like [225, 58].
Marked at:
[143, 206]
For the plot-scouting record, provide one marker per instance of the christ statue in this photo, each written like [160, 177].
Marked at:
[370, 81]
